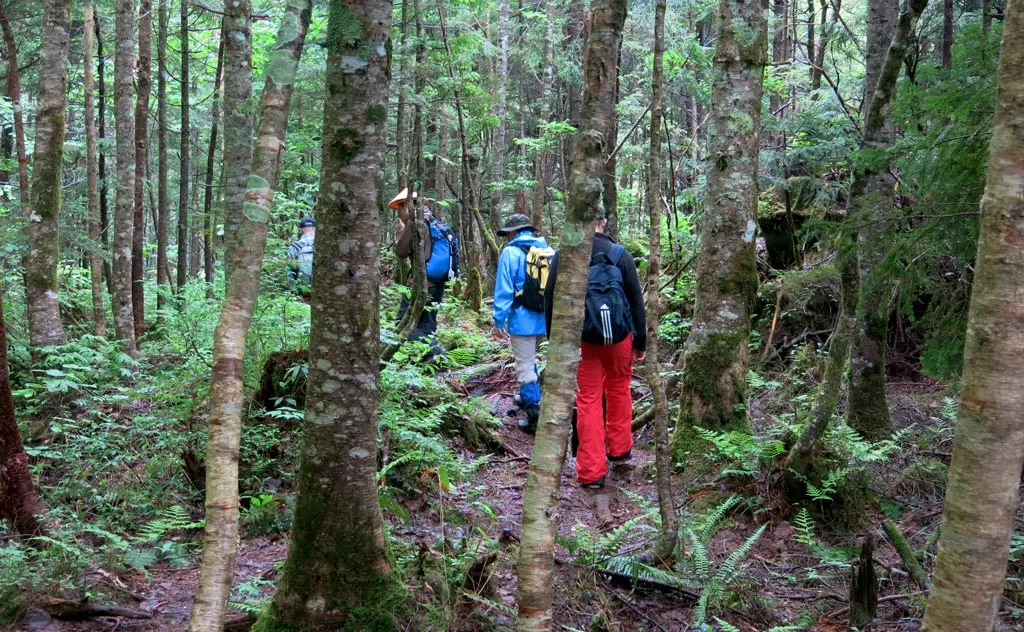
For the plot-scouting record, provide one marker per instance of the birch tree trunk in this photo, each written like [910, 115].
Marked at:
[665, 548]
[92, 177]
[988, 451]
[14, 94]
[227, 390]
[143, 87]
[184, 148]
[124, 211]
[871, 203]
[237, 97]
[163, 204]
[338, 571]
[42, 235]
[540, 498]
[102, 113]
[714, 384]
[501, 111]
[19, 504]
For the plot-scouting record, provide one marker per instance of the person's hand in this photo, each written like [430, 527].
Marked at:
[639, 356]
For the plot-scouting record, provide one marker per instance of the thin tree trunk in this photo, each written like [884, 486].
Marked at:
[988, 451]
[871, 200]
[184, 149]
[610, 195]
[714, 384]
[338, 569]
[986, 15]
[14, 94]
[780, 54]
[104, 213]
[211, 152]
[238, 131]
[665, 548]
[826, 37]
[124, 211]
[40, 262]
[501, 111]
[947, 34]
[163, 204]
[143, 87]
[19, 504]
[92, 178]
[540, 498]
[540, 166]
[401, 125]
[227, 389]
[810, 31]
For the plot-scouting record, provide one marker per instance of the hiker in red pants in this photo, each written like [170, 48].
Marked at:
[614, 336]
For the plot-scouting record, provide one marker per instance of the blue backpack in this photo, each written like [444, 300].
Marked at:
[608, 319]
[443, 263]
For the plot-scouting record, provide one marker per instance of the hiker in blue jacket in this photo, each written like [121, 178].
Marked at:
[519, 307]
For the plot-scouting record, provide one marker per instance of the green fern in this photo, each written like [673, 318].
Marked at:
[174, 518]
[803, 525]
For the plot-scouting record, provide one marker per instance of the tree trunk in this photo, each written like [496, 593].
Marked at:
[227, 389]
[211, 153]
[665, 548]
[141, 160]
[184, 148]
[163, 204]
[92, 178]
[780, 55]
[714, 384]
[42, 235]
[501, 111]
[947, 34]
[540, 160]
[401, 140]
[19, 504]
[237, 97]
[104, 213]
[124, 211]
[826, 37]
[14, 94]
[871, 198]
[610, 194]
[988, 451]
[810, 31]
[986, 15]
[540, 498]
[338, 572]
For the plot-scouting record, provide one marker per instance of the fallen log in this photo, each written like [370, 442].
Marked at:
[80, 610]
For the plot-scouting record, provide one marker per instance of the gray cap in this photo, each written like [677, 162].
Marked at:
[515, 223]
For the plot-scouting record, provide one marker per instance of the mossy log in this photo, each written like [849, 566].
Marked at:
[907, 555]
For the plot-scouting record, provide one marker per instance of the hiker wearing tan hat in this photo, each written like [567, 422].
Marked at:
[440, 256]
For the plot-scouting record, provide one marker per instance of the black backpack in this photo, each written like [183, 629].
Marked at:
[608, 318]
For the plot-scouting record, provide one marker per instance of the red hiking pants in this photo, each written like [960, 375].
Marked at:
[604, 370]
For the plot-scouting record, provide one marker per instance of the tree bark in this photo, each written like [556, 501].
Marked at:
[947, 34]
[714, 384]
[143, 87]
[871, 202]
[988, 451]
[19, 504]
[338, 572]
[540, 498]
[780, 55]
[610, 195]
[163, 204]
[238, 136]
[501, 111]
[104, 213]
[184, 148]
[14, 94]
[92, 177]
[540, 170]
[211, 153]
[826, 37]
[124, 211]
[665, 548]
[227, 389]
[401, 124]
[42, 234]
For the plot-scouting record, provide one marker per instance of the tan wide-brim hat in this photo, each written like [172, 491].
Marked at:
[402, 197]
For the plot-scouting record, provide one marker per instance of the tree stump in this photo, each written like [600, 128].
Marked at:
[864, 587]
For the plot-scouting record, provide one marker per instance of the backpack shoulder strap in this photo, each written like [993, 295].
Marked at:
[615, 254]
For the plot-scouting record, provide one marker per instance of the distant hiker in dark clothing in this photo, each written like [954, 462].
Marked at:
[614, 336]
[300, 253]
[440, 256]
[519, 306]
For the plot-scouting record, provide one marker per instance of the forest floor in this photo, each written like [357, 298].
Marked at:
[785, 579]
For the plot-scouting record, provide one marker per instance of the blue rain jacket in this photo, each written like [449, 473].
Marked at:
[511, 275]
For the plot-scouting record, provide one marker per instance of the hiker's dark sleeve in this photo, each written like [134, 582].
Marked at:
[428, 245]
[403, 242]
[635, 296]
[549, 294]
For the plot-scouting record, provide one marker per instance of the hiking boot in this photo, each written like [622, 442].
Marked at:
[528, 426]
[517, 400]
[598, 484]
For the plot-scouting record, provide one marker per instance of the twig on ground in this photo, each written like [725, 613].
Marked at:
[842, 611]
